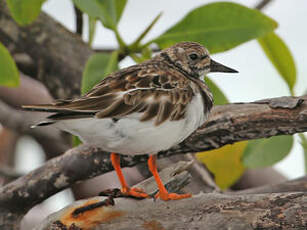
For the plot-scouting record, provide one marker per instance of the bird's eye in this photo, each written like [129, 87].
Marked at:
[193, 56]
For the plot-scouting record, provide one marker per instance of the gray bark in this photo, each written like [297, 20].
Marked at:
[210, 211]
[228, 124]
[213, 210]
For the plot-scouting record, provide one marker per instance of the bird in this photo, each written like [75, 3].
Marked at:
[142, 109]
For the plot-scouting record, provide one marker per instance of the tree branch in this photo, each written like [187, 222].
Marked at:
[21, 121]
[215, 211]
[297, 185]
[9, 173]
[231, 210]
[62, 53]
[227, 124]
[262, 4]
[79, 20]
[30, 91]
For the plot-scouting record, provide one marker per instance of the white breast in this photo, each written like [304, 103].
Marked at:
[132, 137]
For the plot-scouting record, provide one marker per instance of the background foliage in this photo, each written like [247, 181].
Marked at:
[208, 25]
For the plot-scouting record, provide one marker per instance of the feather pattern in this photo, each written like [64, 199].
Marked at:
[152, 88]
[144, 108]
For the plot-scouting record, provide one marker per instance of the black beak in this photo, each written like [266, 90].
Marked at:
[217, 67]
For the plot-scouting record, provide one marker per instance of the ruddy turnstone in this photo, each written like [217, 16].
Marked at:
[142, 109]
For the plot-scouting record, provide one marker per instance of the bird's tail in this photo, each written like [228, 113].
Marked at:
[58, 113]
[42, 123]
[41, 108]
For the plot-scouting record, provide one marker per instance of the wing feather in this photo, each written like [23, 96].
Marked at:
[159, 94]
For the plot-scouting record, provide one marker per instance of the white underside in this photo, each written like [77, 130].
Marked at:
[132, 137]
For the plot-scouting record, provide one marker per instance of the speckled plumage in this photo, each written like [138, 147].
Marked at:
[144, 108]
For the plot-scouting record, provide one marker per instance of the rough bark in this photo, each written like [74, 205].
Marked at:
[59, 54]
[205, 211]
[244, 121]
[228, 124]
[213, 210]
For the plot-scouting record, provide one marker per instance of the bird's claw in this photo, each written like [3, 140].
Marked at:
[172, 196]
[134, 193]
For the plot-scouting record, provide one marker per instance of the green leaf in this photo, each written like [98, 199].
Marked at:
[280, 56]
[108, 11]
[218, 26]
[9, 75]
[225, 163]
[266, 152]
[76, 141]
[91, 29]
[119, 7]
[97, 67]
[25, 11]
[146, 53]
[218, 95]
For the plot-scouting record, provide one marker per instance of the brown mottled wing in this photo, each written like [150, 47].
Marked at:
[157, 91]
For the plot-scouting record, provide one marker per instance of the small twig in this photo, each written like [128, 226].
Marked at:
[122, 54]
[79, 20]
[136, 43]
[262, 4]
[203, 173]
[110, 50]
[175, 178]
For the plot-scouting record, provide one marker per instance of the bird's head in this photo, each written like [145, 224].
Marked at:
[193, 58]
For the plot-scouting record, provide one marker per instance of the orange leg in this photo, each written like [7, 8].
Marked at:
[163, 193]
[135, 192]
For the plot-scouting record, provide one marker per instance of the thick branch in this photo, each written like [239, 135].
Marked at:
[114, 213]
[60, 54]
[215, 211]
[228, 124]
[30, 91]
[244, 121]
[297, 185]
[21, 121]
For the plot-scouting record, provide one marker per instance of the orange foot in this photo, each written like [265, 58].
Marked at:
[134, 192]
[172, 196]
